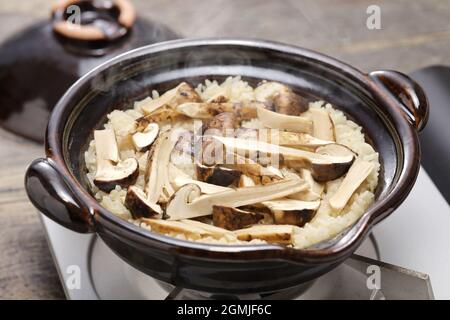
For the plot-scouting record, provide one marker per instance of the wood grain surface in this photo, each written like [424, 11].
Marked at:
[414, 34]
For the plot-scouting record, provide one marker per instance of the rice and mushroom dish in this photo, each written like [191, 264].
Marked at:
[227, 163]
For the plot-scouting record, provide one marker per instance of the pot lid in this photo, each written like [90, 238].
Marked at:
[41, 62]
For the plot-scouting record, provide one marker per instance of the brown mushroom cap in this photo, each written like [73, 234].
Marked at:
[217, 175]
[287, 102]
[234, 218]
[136, 201]
[124, 174]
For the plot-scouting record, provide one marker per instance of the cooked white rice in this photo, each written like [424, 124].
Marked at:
[324, 225]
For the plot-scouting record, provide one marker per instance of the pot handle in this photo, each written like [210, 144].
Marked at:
[408, 94]
[49, 192]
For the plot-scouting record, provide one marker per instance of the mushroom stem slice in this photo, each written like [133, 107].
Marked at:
[246, 181]
[313, 193]
[177, 227]
[300, 140]
[137, 202]
[158, 185]
[106, 145]
[216, 232]
[234, 218]
[206, 110]
[178, 95]
[188, 203]
[207, 188]
[218, 98]
[282, 234]
[358, 172]
[142, 140]
[323, 127]
[323, 167]
[280, 121]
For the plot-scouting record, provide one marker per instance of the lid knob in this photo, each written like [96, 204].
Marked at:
[93, 20]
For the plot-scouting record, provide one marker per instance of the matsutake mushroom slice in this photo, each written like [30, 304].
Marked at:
[280, 121]
[323, 127]
[177, 227]
[289, 211]
[234, 218]
[358, 172]
[281, 98]
[188, 202]
[207, 188]
[299, 140]
[111, 171]
[172, 98]
[216, 232]
[246, 181]
[144, 139]
[218, 175]
[218, 98]
[323, 167]
[282, 234]
[158, 187]
[139, 204]
[206, 110]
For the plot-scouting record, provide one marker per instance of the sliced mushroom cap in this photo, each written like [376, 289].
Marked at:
[178, 95]
[322, 173]
[188, 203]
[281, 97]
[323, 167]
[124, 174]
[335, 149]
[142, 140]
[282, 234]
[234, 218]
[358, 172]
[323, 127]
[287, 102]
[218, 175]
[110, 170]
[267, 89]
[137, 202]
[280, 121]
[295, 212]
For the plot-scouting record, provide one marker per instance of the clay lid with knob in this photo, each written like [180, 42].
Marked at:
[39, 63]
[93, 20]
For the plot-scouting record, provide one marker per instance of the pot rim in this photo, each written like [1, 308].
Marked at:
[380, 209]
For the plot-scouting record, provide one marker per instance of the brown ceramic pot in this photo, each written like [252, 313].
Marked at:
[390, 107]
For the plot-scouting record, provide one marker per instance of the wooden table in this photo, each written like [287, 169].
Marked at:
[413, 35]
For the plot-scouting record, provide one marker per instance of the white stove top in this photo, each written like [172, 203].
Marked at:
[416, 236]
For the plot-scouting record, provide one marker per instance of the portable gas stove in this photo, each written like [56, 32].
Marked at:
[415, 237]
[412, 238]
